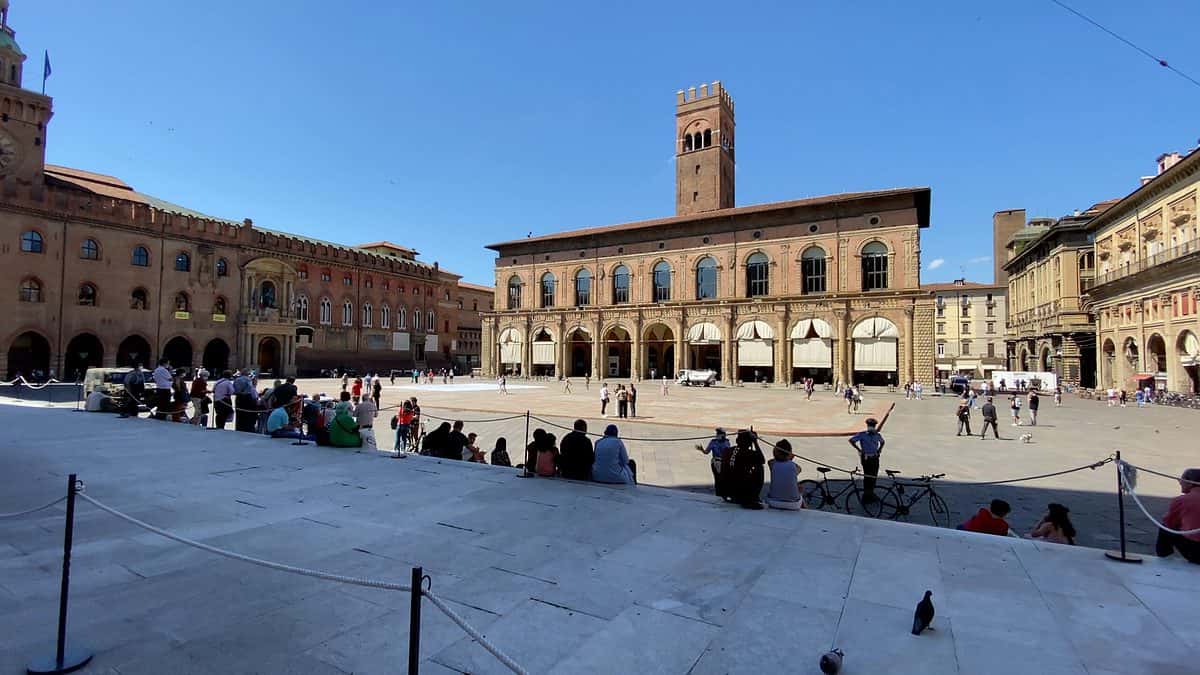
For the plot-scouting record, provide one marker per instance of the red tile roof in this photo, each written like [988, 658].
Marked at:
[477, 287]
[722, 213]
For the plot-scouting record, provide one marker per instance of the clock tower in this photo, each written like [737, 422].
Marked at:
[23, 114]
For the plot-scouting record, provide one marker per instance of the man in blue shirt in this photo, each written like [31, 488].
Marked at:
[869, 444]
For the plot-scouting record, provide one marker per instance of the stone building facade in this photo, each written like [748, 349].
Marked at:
[1147, 288]
[968, 333]
[99, 274]
[1050, 267]
[825, 287]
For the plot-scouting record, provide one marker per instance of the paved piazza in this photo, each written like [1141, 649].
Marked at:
[630, 580]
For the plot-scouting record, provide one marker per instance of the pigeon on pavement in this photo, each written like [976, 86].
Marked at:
[924, 614]
[831, 662]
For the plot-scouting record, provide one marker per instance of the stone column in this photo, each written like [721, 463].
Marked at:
[680, 347]
[636, 358]
[526, 350]
[560, 353]
[910, 348]
[597, 351]
[487, 347]
[783, 357]
[1172, 366]
[841, 356]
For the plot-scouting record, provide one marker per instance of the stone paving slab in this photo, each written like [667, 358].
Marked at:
[625, 579]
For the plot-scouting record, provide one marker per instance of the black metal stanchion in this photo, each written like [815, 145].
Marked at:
[65, 660]
[414, 623]
[526, 473]
[1122, 555]
[78, 396]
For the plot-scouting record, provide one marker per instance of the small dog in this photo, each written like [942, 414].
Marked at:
[1026, 438]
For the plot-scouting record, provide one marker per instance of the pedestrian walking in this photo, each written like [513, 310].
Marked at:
[869, 444]
[1035, 402]
[666, 390]
[603, 400]
[1014, 404]
[1058, 397]
[376, 391]
[622, 401]
[849, 396]
[963, 413]
[566, 385]
[503, 385]
[988, 411]
[632, 400]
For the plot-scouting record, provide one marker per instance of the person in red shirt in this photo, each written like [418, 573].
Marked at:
[1183, 514]
[990, 520]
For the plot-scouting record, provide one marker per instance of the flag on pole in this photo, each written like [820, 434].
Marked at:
[46, 68]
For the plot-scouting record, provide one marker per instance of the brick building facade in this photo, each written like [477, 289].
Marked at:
[826, 287]
[99, 274]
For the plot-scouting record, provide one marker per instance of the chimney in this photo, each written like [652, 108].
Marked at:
[1167, 160]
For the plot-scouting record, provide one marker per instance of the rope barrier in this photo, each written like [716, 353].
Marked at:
[623, 438]
[316, 574]
[1094, 465]
[475, 634]
[457, 419]
[1159, 473]
[18, 514]
[47, 383]
[1137, 500]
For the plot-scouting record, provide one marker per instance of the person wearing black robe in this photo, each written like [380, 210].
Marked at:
[748, 462]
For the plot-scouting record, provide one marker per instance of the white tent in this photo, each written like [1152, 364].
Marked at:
[510, 346]
[812, 344]
[755, 344]
[875, 344]
[543, 348]
[704, 334]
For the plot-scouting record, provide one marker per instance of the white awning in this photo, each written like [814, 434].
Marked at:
[510, 335]
[810, 328]
[1191, 349]
[400, 342]
[510, 346]
[756, 353]
[877, 354]
[704, 334]
[875, 327]
[543, 353]
[755, 330]
[812, 353]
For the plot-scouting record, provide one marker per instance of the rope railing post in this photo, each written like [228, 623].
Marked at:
[64, 661]
[526, 473]
[414, 623]
[1122, 555]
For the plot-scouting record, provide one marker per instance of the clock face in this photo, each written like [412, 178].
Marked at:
[10, 154]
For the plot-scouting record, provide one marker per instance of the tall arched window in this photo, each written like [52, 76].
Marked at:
[875, 266]
[514, 292]
[416, 318]
[620, 285]
[222, 267]
[326, 314]
[662, 281]
[347, 314]
[139, 299]
[183, 303]
[31, 290]
[583, 288]
[302, 309]
[548, 290]
[757, 270]
[140, 257]
[430, 324]
[706, 279]
[687, 142]
[87, 295]
[812, 270]
[385, 317]
[401, 317]
[31, 242]
[89, 250]
[183, 262]
[368, 315]
[707, 137]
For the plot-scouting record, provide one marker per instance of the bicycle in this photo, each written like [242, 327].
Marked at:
[818, 495]
[894, 503]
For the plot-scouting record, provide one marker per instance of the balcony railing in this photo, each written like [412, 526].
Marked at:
[1130, 268]
[1042, 311]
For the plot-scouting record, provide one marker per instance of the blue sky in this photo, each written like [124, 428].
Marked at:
[447, 126]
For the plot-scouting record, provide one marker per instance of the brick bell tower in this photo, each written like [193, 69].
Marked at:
[24, 114]
[704, 166]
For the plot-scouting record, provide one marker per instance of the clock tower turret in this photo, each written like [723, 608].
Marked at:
[23, 114]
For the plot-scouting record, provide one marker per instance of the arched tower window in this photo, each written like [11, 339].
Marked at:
[707, 137]
[706, 278]
[347, 314]
[140, 257]
[687, 142]
[662, 281]
[87, 295]
[620, 284]
[875, 266]
[757, 281]
[326, 312]
[812, 270]
[514, 292]
[302, 308]
[183, 262]
[548, 284]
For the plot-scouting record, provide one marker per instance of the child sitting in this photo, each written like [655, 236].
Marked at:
[547, 457]
[784, 490]
[500, 453]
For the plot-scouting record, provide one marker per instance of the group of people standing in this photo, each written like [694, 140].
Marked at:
[626, 400]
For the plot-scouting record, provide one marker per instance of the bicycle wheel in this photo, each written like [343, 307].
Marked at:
[887, 505]
[939, 512]
[812, 494]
